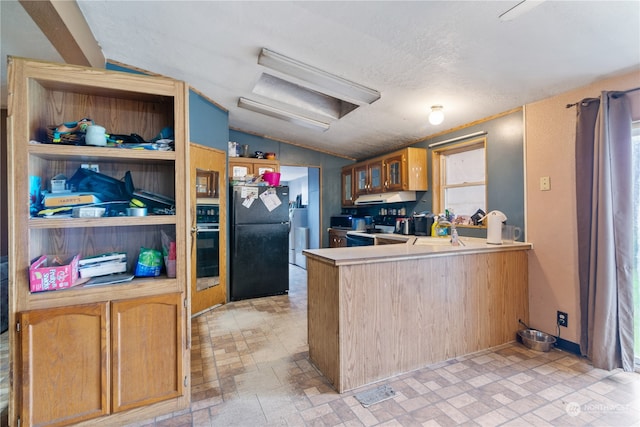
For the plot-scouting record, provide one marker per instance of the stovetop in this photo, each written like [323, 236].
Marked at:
[380, 229]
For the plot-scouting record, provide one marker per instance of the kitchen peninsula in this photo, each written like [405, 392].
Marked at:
[379, 311]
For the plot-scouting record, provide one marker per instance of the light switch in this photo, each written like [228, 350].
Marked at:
[545, 183]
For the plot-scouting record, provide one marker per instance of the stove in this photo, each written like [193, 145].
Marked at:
[386, 229]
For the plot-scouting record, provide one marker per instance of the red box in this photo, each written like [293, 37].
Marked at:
[51, 272]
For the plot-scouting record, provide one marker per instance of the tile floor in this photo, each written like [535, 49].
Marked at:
[250, 367]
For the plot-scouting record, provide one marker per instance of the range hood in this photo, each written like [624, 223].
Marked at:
[395, 197]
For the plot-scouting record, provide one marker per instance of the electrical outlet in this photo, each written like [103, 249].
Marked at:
[545, 183]
[562, 319]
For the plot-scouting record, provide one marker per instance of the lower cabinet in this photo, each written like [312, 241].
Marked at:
[337, 238]
[146, 339]
[86, 361]
[64, 369]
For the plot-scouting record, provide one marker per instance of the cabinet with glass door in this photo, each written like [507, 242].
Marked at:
[402, 170]
[347, 186]
[406, 170]
[368, 177]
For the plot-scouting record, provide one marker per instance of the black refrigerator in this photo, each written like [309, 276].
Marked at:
[259, 241]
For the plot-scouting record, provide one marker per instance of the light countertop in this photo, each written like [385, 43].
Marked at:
[414, 247]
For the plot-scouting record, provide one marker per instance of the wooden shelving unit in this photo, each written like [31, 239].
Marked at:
[107, 323]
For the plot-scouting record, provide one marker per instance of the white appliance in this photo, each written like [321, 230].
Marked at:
[302, 242]
[494, 221]
[395, 197]
[298, 236]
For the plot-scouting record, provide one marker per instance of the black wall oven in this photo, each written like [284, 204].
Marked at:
[207, 240]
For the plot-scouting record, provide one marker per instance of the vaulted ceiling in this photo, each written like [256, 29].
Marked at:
[458, 54]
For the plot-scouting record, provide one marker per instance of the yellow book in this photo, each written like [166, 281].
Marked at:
[69, 199]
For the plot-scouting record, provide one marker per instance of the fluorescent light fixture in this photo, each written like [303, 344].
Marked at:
[437, 115]
[520, 9]
[278, 113]
[318, 80]
[306, 102]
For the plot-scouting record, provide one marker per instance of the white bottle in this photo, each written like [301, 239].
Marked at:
[454, 236]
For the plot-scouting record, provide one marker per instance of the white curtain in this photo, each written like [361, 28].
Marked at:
[605, 222]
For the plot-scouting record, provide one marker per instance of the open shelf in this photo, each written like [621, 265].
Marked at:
[116, 221]
[97, 154]
[138, 287]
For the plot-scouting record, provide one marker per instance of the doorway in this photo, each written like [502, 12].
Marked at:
[304, 210]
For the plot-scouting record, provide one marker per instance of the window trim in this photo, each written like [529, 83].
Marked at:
[438, 173]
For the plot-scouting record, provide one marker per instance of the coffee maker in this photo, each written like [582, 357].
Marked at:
[422, 224]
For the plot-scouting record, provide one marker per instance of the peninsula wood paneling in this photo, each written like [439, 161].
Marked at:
[323, 318]
[399, 316]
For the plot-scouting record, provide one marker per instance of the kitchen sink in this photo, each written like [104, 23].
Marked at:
[440, 241]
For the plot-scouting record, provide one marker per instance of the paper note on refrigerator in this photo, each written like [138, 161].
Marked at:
[270, 199]
[248, 194]
[248, 202]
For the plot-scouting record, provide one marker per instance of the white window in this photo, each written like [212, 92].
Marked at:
[459, 178]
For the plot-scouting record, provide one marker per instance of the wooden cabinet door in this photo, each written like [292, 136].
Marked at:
[368, 178]
[260, 168]
[64, 365]
[395, 173]
[208, 291]
[376, 181]
[337, 238]
[361, 176]
[347, 187]
[239, 168]
[147, 344]
[242, 166]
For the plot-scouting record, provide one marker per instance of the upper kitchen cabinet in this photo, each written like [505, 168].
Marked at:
[347, 186]
[239, 167]
[42, 96]
[403, 170]
[368, 177]
[406, 170]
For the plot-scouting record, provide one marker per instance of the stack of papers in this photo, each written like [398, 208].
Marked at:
[110, 279]
[101, 265]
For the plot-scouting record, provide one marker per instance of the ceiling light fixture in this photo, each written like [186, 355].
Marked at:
[317, 79]
[437, 115]
[519, 9]
[282, 114]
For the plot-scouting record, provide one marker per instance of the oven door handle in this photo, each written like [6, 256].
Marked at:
[207, 230]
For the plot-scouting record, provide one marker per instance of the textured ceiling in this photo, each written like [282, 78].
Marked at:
[417, 54]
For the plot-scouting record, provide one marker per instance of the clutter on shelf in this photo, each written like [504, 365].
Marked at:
[86, 132]
[89, 194]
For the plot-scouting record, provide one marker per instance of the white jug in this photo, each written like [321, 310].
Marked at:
[494, 226]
